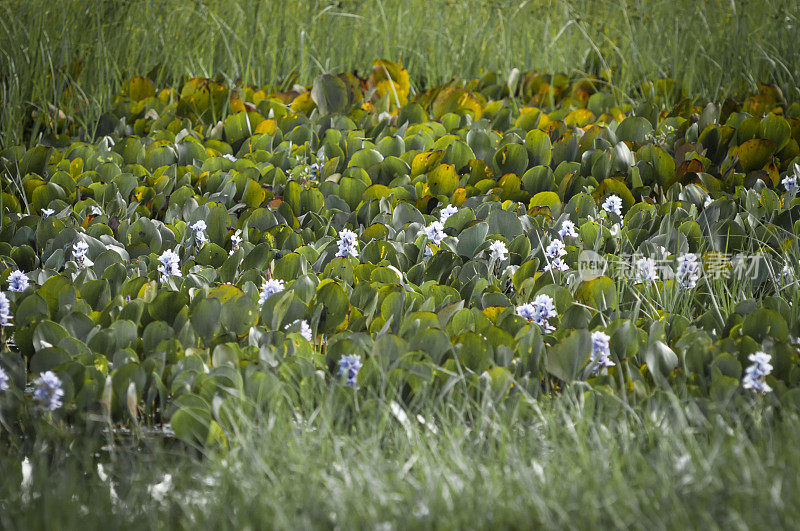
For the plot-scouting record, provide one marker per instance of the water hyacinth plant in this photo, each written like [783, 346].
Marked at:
[553, 256]
[539, 311]
[757, 371]
[169, 265]
[48, 391]
[269, 288]
[613, 205]
[689, 270]
[4, 380]
[236, 241]
[567, 230]
[79, 250]
[498, 251]
[199, 231]
[18, 281]
[434, 232]
[646, 270]
[601, 352]
[446, 212]
[5, 310]
[348, 244]
[349, 365]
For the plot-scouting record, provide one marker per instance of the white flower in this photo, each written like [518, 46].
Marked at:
[95, 210]
[646, 270]
[268, 288]
[48, 392]
[707, 202]
[3, 380]
[539, 311]
[236, 240]
[435, 232]
[18, 281]
[790, 183]
[600, 351]
[170, 265]
[348, 243]
[614, 230]
[199, 228]
[613, 203]
[384, 116]
[305, 329]
[787, 275]
[5, 310]
[498, 250]
[446, 212]
[48, 212]
[567, 230]
[229, 157]
[755, 374]
[689, 270]
[553, 254]
[79, 250]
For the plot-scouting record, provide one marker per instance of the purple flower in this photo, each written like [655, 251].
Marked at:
[47, 391]
[18, 281]
[435, 232]
[170, 265]
[348, 243]
[5, 310]
[269, 288]
[600, 351]
[755, 374]
[349, 367]
[613, 203]
[539, 311]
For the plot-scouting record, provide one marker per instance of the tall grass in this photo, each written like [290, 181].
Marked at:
[573, 462]
[76, 55]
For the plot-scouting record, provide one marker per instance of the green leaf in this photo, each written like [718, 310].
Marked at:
[330, 94]
[205, 317]
[566, 359]
[471, 238]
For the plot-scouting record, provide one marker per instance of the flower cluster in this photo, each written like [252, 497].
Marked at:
[755, 374]
[435, 232]
[269, 288]
[613, 204]
[567, 230]
[79, 250]
[18, 281]
[689, 270]
[305, 329]
[47, 391]
[600, 352]
[348, 243]
[553, 254]
[539, 311]
[790, 183]
[5, 310]
[348, 367]
[199, 228]
[170, 265]
[646, 270]
[446, 212]
[236, 240]
[4, 385]
[498, 251]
